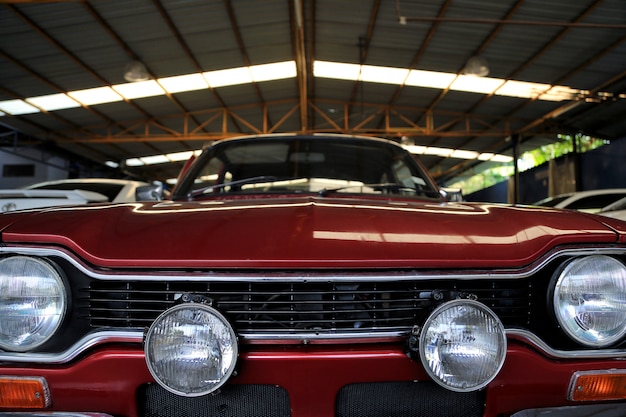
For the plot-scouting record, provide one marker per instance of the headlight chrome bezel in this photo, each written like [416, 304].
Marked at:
[572, 316]
[431, 356]
[18, 275]
[155, 344]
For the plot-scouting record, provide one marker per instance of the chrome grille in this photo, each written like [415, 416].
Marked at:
[304, 307]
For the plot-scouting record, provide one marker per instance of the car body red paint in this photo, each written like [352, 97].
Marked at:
[312, 232]
[317, 240]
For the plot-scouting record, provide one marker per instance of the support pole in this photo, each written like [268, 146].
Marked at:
[515, 138]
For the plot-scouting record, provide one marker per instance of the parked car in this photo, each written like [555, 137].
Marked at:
[21, 199]
[311, 276]
[74, 191]
[617, 210]
[590, 201]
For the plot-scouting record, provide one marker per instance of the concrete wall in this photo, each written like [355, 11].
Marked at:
[46, 167]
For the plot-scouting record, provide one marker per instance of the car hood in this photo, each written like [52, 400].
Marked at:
[308, 232]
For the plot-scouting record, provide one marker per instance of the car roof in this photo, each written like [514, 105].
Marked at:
[569, 200]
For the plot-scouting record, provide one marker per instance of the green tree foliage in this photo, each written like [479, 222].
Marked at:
[528, 160]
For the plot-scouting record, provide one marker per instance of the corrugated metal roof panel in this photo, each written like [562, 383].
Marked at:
[50, 47]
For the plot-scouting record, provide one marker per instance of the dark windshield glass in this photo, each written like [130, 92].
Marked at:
[553, 201]
[292, 165]
[618, 205]
[595, 202]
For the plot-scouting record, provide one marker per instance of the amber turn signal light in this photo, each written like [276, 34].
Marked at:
[598, 385]
[24, 392]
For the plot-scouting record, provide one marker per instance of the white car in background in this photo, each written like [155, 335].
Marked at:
[616, 210]
[75, 191]
[591, 201]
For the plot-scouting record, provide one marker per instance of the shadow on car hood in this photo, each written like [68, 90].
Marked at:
[306, 232]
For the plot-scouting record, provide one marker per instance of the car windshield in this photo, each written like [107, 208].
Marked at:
[320, 165]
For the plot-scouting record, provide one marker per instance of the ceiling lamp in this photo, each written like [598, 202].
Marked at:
[136, 71]
[476, 66]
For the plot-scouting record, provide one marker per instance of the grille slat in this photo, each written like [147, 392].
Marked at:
[292, 307]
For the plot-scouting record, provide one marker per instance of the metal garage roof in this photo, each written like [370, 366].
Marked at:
[48, 48]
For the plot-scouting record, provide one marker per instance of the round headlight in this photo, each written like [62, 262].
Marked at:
[32, 302]
[462, 345]
[590, 300]
[191, 349]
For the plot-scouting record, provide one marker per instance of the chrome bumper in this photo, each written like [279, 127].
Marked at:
[51, 414]
[604, 410]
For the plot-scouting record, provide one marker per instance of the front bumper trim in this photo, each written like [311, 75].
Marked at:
[52, 414]
[136, 337]
[604, 410]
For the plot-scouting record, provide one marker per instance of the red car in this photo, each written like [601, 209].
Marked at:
[311, 276]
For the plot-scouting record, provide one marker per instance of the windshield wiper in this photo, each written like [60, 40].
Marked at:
[211, 188]
[387, 186]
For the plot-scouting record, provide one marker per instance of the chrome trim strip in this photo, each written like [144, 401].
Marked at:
[615, 409]
[89, 341]
[136, 336]
[531, 339]
[323, 338]
[318, 276]
[52, 414]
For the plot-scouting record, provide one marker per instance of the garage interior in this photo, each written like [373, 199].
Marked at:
[130, 89]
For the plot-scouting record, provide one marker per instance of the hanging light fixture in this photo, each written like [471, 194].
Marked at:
[476, 66]
[136, 71]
